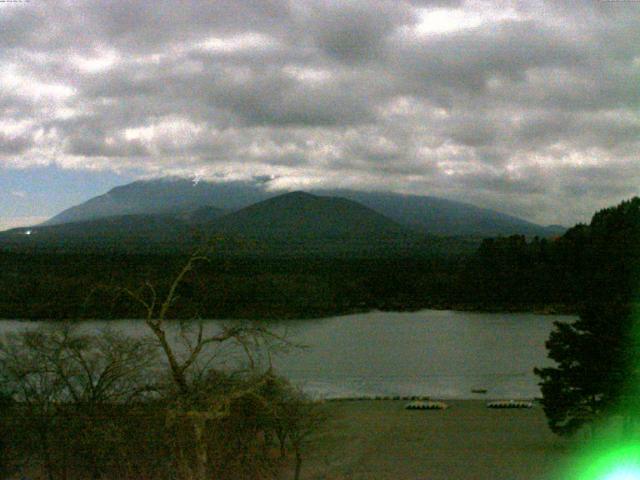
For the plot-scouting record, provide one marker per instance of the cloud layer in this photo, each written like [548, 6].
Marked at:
[532, 108]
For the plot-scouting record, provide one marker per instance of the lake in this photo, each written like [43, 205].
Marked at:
[441, 354]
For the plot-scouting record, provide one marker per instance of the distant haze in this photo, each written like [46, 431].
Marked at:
[13, 222]
[528, 107]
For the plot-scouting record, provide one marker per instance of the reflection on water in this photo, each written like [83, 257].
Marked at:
[442, 354]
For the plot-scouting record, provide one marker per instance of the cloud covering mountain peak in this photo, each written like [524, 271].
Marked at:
[529, 106]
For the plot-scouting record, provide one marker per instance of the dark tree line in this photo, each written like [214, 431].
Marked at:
[514, 273]
[589, 263]
[598, 355]
[54, 286]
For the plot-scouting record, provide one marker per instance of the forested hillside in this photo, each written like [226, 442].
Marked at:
[62, 286]
[588, 262]
[502, 274]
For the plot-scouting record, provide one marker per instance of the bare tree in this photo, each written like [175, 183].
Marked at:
[212, 422]
[198, 408]
[296, 419]
[63, 381]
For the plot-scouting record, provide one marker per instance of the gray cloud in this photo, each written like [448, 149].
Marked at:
[352, 32]
[527, 107]
[13, 145]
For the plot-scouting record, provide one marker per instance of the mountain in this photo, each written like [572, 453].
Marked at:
[299, 223]
[305, 216]
[438, 216]
[201, 215]
[431, 215]
[295, 223]
[122, 233]
[292, 224]
[163, 196]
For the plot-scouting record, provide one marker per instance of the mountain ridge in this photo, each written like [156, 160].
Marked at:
[431, 215]
[294, 223]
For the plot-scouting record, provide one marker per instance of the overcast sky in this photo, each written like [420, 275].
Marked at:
[531, 108]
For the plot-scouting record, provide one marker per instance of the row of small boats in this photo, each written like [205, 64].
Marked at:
[436, 405]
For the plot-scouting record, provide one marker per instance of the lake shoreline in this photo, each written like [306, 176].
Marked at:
[545, 310]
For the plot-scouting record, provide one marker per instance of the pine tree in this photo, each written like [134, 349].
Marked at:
[596, 356]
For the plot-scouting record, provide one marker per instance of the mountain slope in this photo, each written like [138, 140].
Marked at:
[123, 233]
[291, 224]
[169, 195]
[305, 216]
[302, 224]
[438, 216]
[430, 215]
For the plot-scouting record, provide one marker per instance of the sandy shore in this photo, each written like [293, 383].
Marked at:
[381, 440]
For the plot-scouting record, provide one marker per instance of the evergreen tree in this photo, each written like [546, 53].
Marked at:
[595, 358]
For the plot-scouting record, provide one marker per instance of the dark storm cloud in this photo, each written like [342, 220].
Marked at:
[522, 106]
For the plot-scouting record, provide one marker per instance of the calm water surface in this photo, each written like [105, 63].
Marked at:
[442, 354]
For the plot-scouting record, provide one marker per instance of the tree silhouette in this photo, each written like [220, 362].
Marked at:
[597, 355]
[596, 368]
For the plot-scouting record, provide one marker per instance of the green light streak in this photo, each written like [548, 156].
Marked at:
[614, 463]
[613, 454]
[624, 474]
